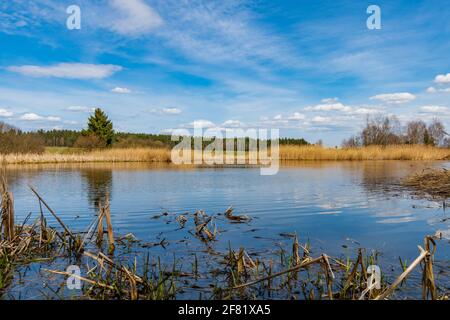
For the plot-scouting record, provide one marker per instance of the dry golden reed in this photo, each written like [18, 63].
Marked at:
[394, 152]
[287, 153]
[104, 155]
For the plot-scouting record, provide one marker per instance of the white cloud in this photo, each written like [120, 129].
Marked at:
[336, 106]
[166, 111]
[121, 90]
[434, 109]
[278, 117]
[201, 124]
[366, 111]
[31, 117]
[36, 117]
[233, 124]
[171, 110]
[329, 100]
[68, 70]
[5, 113]
[442, 78]
[80, 109]
[396, 98]
[296, 116]
[434, 90]
[53, 119]
[320, 119]
[135, 17]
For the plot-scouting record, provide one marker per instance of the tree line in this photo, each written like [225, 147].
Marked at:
[99, 133]
[387, 130]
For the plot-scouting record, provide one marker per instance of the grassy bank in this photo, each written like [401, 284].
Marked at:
[287, 153]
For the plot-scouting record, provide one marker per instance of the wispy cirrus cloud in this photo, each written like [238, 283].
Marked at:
[67, 70]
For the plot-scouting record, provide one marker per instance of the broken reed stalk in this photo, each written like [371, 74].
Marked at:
[53, 214]
[7, 214]
[107, 213]
[428, 284]
[100, 226]
[295, 255]
[402, 277]
[359, 262]
[329, 275]
[7, 209]
[101, 258]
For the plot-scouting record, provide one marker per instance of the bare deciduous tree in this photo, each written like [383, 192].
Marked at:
[387, 130]
[416, 132]
[436, 129]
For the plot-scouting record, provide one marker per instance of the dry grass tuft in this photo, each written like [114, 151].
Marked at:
[430, 182]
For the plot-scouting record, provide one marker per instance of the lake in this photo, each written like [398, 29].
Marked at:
[337, 206]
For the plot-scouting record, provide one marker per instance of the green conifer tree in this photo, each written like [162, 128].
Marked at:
[101, 126]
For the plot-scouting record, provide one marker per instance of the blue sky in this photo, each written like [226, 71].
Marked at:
[310, 68]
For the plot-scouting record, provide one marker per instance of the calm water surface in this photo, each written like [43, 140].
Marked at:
[338, 206]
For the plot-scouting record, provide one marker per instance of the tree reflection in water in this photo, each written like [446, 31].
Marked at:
[98, 183]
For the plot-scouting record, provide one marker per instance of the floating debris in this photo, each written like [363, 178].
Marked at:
[238, 219]
[182, 220]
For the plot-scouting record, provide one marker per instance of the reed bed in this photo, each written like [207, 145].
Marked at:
[433, 183]
[104, 155]
[287, 153]
[394, 152]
